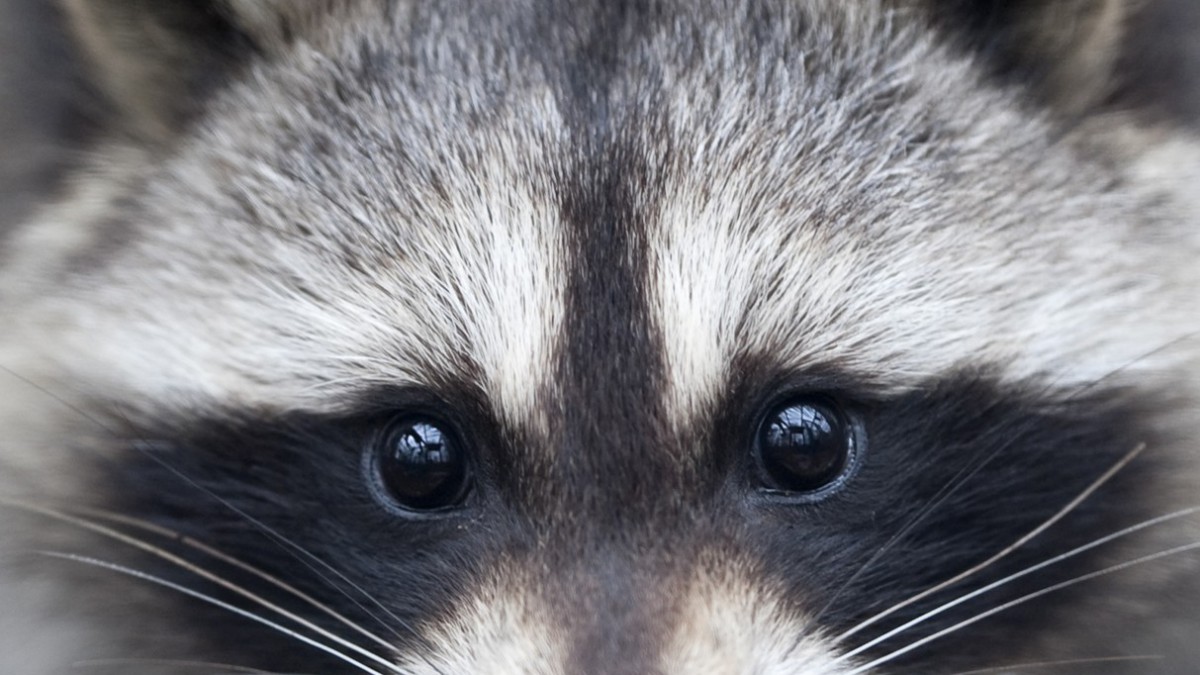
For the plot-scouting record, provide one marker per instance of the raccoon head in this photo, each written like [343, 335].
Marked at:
[593, 337]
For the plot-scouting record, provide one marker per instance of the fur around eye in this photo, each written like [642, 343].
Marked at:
[493, 337]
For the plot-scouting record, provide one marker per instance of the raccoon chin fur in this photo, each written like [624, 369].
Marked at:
[802, 337]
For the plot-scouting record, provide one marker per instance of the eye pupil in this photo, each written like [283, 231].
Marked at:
[420, 465]
[804, 446]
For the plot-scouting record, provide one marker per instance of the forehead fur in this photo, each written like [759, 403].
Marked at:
[382, 204]
[914, 224]
[390, 195]
[334, 251]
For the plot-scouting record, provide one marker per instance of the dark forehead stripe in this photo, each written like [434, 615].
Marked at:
[612, 457]
[611, 452]
[611, 369]
[612, 365]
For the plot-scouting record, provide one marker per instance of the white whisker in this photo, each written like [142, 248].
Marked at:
[222, 667]
[146, 449]
[964, 475]
[149, 578]
[295, 550]
[1059, 664]
[1062, 513]
[961, 478]
[1022, 600]
[1013, 577]
[209, 576]
[225, 558]
[301, 554]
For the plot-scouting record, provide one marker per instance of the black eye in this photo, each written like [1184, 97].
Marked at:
[806, 446]
[420, 464]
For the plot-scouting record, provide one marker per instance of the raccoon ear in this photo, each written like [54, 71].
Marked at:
[153, 59]
[1066, 49]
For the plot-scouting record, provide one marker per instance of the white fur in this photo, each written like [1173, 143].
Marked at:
[822, 226]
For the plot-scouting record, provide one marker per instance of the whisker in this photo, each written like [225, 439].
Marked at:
[1150, 353]
[149, 578]
[222, 667]
[963, 476]
[225, 558]
[290, 546]
[146, 449]
[1024, 599]
[958, 480]
[1013, 577]
[1062, 513]
[1059, 664]
[209, 576]
[299, 553]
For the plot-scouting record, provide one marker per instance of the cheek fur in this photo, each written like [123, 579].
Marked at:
[603, 239]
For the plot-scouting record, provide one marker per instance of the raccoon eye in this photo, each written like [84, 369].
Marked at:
[420, 464]
[806, 446]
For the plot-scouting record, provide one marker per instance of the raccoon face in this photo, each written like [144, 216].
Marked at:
[771, 337]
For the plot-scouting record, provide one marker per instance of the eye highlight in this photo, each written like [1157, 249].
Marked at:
[807, 447]
[419, 464]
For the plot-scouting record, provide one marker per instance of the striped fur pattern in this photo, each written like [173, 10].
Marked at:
[601, 238]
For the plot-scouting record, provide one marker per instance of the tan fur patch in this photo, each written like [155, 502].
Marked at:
[733, 625]
[503, 629]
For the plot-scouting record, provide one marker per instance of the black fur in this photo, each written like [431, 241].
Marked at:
[988, 462]
[609, 505]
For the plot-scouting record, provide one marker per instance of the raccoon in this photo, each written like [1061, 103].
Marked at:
[807, 337]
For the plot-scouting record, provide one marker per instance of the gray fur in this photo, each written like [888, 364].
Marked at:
[367, 194]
